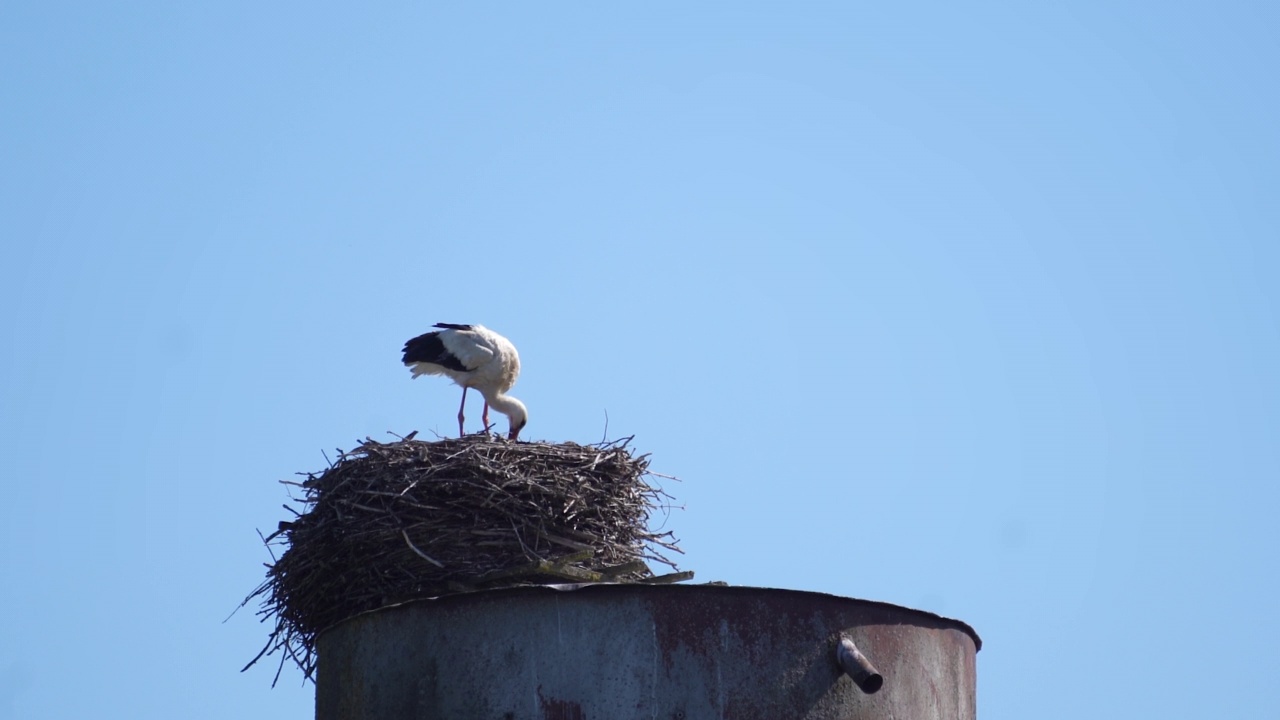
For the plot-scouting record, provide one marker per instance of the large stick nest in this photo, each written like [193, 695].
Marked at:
[390, 522]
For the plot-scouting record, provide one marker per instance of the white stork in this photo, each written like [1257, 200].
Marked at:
[473, 356]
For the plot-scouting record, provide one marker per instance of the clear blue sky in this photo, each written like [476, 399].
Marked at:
[971, 308]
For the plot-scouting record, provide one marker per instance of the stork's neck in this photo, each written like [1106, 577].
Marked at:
[512, 408]
[505, 404]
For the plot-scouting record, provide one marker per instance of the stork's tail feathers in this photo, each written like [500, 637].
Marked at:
[419, 369]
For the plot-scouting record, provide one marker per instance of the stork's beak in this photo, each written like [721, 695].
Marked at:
[512, 435]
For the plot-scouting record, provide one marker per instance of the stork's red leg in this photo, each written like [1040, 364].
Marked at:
[485, 416]
[462, 417]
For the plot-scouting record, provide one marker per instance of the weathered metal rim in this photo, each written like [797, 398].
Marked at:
[641, 588]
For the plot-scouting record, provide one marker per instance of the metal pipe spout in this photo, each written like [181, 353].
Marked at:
[857, 666]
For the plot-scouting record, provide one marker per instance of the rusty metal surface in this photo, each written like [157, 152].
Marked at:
[682, 652]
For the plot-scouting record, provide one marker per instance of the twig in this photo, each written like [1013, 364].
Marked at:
[421, 554]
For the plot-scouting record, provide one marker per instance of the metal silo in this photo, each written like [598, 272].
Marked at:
[678, 652]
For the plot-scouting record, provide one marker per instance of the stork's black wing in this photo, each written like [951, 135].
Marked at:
[428, 348]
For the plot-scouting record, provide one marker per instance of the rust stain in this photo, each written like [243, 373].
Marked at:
[553, 709]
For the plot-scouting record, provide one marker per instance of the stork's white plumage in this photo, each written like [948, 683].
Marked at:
[473, 356]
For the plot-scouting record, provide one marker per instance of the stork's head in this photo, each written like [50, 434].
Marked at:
[515, 412]
[518, 420]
